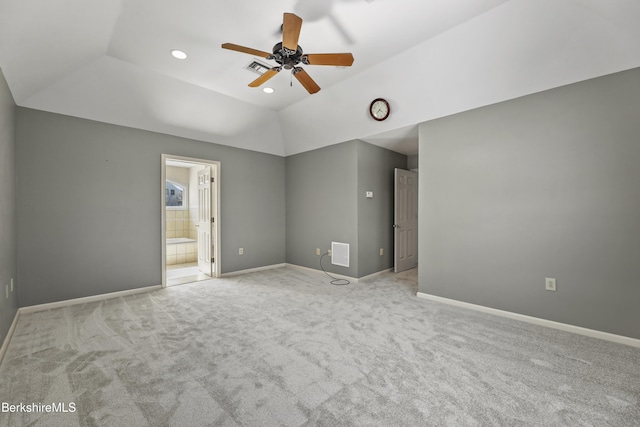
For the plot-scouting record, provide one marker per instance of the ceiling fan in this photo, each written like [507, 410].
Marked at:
[288, 55]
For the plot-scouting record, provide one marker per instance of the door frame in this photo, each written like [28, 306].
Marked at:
[216, 213]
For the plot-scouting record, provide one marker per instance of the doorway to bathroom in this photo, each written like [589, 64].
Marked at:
[190, 219]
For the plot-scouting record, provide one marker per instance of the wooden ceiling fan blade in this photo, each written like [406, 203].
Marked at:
[337, 59]
[291, 26]
[306, 80]
[263, 78]
[244, 49]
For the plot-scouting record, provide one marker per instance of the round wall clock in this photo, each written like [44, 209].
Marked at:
[379, 109]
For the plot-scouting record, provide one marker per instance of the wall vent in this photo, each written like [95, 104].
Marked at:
[340, 254]
[258, 67]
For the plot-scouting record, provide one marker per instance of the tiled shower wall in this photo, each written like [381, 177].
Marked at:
[178, 224]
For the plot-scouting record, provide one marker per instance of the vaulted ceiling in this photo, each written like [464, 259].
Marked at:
[109, 60]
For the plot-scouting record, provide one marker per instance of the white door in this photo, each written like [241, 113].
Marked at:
[205, 222]
[405, 236]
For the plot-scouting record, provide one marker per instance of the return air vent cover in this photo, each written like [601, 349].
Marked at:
[340, 254]
[258, 67]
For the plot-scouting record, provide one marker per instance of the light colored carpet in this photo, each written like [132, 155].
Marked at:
[283, 347]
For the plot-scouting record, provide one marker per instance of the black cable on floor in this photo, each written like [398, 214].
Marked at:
[335, 280]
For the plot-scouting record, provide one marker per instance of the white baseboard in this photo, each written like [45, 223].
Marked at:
[313, 270]
[83, 300]
[252, 270]
[340, 276]
[373, 275]
[7, 339]
[620, 339]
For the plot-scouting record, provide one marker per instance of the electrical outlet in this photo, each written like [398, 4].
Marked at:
[317, 251]
[381, 251]
[329, 252]
[550, 284]
[241, 251]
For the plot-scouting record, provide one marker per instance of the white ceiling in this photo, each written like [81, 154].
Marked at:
[108, 60]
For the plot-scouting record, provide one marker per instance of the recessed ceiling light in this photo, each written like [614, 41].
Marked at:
[267, 90]
[178, 54]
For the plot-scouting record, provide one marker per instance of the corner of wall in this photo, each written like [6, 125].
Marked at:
[321, 189]
[375, 214]
[8, 217]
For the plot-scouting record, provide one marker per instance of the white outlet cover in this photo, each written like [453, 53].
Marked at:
[369, 194]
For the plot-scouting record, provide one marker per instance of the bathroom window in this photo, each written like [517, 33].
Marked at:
[176, 195]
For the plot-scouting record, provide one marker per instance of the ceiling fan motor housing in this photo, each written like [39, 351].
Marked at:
[286, 57]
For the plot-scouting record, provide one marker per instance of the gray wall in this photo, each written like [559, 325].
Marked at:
[8, 306]
[547, 185]
[321, 189]
[375, 216]
[88, 206]
[412, 161]
[326, 202]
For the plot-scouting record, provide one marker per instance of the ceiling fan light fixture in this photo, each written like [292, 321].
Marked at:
[268, 90]
[178, 54]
